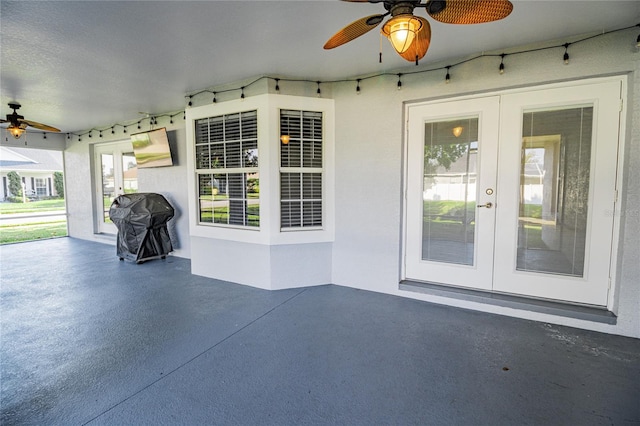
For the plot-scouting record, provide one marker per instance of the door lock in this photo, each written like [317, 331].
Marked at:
[487, 205]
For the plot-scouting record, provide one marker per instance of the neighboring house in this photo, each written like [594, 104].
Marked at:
[35, 167]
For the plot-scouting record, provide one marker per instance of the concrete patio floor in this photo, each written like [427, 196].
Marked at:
[87, 339]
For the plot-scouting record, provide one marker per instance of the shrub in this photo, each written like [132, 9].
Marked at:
[58, 183]
[15, 184]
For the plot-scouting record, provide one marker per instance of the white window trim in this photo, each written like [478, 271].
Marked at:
[268, 107]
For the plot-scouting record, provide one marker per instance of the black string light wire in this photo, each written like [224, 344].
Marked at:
[358, 80]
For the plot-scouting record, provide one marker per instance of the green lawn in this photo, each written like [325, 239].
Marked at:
[32, 206]
[32, 231]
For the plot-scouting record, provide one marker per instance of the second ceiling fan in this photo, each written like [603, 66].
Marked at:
[410, 35]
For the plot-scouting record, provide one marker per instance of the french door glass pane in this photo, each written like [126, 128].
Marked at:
[554, 189]
[129, 173]
[449, 191]
[108, 184]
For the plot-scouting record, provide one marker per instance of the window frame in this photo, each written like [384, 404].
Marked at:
[227, 170]
[268, 107]
[302, 169]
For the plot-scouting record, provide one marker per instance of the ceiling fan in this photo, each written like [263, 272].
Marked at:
[410, 35]
[18, 125]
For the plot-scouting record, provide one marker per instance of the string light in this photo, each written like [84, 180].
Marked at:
[44, 135]
[214, 98]
[501, 69]
[68, 136]
[90, 135]
[100, 133]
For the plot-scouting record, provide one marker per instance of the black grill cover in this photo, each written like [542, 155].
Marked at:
[141, 220]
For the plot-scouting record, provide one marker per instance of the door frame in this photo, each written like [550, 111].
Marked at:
[117, 149]
[619, 180]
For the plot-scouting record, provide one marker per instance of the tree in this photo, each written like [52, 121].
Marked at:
[58, 183]
[15, 184]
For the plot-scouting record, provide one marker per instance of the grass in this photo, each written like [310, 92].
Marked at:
[32, 206]
[32, 231]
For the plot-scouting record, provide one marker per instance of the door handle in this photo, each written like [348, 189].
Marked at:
[487, 205]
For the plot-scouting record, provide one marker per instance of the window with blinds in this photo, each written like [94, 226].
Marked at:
[226, 154]
[300, 169]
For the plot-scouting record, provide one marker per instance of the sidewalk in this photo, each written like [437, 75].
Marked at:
[33, 217]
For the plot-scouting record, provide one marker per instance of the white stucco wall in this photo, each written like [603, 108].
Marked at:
[369, 133]
[366, 252]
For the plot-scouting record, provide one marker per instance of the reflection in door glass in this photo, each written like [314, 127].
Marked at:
[449, 191]
[129, 173]
[554, 191]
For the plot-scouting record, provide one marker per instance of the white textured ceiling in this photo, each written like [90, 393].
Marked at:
[83, 64]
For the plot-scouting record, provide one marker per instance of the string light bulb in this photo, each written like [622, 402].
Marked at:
[190, 101]
[214, 98]
[318, 92]
[447, 78]
[277, 85]
[565, 58]
[399, 81]
[242, 93]
[44, 135]
[501, 67]
[358, 87]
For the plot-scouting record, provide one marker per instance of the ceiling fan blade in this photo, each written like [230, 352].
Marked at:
[354, 30]
[38, 125]
[468, 11]
[4, 121]
[420, 43]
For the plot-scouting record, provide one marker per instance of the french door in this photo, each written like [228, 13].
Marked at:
[514, 193]
[116, 173]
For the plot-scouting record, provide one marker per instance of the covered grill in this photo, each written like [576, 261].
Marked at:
[141, 220]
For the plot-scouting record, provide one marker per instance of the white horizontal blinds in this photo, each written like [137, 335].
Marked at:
[227, 168]
[301, 169]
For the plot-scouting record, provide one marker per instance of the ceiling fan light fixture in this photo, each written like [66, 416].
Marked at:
[15, 131]
[401, 30]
